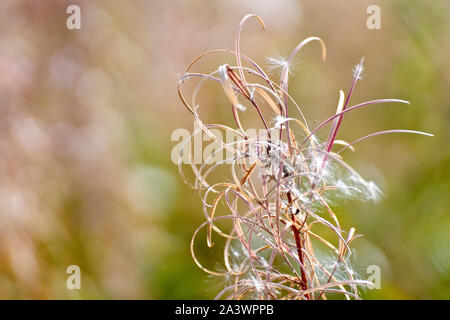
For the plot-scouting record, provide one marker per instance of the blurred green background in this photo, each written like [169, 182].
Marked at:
[86, 118]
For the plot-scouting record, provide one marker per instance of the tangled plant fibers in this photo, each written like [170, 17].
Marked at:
[283, 240]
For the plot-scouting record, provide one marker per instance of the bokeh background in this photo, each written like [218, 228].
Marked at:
[86, 118]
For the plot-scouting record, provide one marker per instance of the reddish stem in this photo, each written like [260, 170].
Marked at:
[298, 243]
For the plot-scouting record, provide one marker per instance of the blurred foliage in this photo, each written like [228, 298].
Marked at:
[86, 117]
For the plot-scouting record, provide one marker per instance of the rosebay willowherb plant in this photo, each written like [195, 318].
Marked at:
[283, 241]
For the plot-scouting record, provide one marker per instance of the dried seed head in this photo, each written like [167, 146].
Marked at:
[280, 190]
